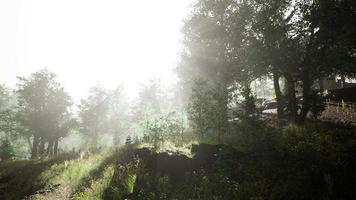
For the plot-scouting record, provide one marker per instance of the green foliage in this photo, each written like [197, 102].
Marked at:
[307, 161]
[93, 115]
[129, 182]
[199, 107]
[7, 98]
[119, 120]
[9, 124]
[150, 96]
[209, 186]
[159, 127]
[6, 150]
[128, 140]
[21, 148]
[245, 105]
[318, 104]
[239, 41]
[43, 109]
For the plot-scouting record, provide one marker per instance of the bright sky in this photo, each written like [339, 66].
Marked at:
[90, 41]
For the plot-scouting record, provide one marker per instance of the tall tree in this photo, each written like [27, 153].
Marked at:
[43, 106]
[9, 128]
[119, 118]
[93, 114]
[150, 95]
[8, 123]
[200, 108]
[244, 40]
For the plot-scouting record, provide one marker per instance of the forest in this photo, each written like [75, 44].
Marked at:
[264, 107]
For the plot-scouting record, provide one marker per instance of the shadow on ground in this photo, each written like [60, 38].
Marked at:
[22, 178]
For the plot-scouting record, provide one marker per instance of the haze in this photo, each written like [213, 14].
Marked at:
[91, 41]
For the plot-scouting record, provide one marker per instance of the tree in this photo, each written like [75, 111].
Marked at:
[304, 41]
[8, 124]
[42, 109]
[330, 43]
[150, 95]
[93, 113]
[150, 109]
[239, 41]
[6, 150]
[200, 108]
[119, 119]
[6, 98]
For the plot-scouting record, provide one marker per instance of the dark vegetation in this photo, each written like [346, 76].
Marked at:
[308, 162]
[211, 137]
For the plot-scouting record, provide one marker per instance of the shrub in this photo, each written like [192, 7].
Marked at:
[6, 150]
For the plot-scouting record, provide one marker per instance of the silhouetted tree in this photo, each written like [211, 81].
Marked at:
[300, 41]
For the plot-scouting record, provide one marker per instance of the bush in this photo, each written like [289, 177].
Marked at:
[311, 161]
[6, 150]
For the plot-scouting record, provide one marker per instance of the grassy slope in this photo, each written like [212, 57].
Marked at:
[58, 178]
[286, 163]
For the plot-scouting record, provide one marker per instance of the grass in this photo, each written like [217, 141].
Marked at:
[281, 163]
[22, 178]
[67, 173]
[97, 188]
[70, 173]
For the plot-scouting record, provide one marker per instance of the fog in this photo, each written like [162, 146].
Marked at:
[177, 99]
[89, 41]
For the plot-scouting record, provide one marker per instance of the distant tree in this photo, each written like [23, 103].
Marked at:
[119, 118]
[42, 109]
[93, 114]
[150, 111]
[8, 123]
[6, 98]
[151, 96]
[128, 140]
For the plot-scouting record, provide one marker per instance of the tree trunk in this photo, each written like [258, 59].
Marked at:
[292, 102]
[55, 150]
[321, 85]
[35, 146]
[50, 147]
[277, 91]
[182, 130]
[42, 146]
[306, 99]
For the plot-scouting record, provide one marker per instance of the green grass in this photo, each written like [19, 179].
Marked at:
[170, 147]
[70, 173]
[297, 155]
[24, 178]
[97, 187]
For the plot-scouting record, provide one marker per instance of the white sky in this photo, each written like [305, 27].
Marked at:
[90, 41]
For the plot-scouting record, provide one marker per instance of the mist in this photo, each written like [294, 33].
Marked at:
[180, 99]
